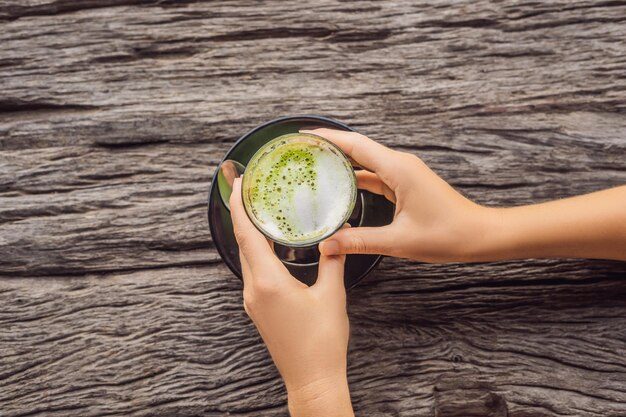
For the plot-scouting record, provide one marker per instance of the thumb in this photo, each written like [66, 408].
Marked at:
[361, 240]
[330, 272]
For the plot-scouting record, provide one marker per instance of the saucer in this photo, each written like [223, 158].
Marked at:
[375, 210]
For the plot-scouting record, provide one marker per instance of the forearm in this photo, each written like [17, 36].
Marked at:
[324, 398]
[587, 226]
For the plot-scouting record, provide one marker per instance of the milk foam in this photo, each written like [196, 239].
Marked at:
[300, 189]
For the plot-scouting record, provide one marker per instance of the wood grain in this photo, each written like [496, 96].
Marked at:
[114, 114]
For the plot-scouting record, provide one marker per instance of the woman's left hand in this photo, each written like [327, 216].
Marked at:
[305, 328]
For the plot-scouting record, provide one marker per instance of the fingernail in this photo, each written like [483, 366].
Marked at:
[329, 247]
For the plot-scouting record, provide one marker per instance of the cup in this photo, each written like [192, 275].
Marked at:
[371, 210]
[298, 189]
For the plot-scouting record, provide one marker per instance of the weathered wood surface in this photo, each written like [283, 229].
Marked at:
[114, 113]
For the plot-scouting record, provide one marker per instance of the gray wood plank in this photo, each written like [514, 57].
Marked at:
[114, 114]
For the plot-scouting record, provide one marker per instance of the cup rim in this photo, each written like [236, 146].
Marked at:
[330, 232]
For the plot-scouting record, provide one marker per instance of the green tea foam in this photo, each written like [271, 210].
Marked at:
[299, 189]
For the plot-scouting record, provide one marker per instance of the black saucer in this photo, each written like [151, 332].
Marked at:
[375, 209]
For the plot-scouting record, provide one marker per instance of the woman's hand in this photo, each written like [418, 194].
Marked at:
[434, 223]
[305, 328]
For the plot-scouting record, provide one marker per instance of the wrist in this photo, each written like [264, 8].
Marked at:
[504, 235]
[329, 397]
[487, 236]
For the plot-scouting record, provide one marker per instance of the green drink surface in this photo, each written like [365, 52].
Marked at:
[299, 188]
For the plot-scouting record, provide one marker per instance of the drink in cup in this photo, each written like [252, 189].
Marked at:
[299, 189]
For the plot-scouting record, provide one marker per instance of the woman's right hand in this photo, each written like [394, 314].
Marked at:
[432, 222]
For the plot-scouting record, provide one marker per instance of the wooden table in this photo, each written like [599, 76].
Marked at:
[114, 114]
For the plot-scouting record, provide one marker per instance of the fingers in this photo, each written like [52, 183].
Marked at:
[252, 244]
[367, 153]
[363, 240]
[371, 182]
[331, 272]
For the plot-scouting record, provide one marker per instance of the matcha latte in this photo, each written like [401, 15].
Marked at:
[299, 189]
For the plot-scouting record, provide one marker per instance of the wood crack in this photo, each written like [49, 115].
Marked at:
[12, 106]
[516, 283]
[273, 33]
[13, 12]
